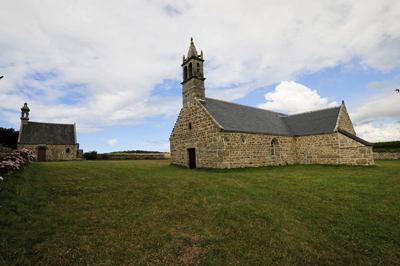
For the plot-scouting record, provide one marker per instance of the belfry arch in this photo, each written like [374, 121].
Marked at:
[190, 70]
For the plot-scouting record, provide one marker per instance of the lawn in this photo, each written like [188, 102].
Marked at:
[149, 212]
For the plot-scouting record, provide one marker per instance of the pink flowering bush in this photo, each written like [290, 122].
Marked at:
[16, 160]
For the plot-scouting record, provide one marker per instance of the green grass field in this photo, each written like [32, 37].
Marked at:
[152, 213]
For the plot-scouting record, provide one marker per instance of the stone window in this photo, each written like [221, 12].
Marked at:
[274, 146]
[190, 125]
[68, 150]
[198, 67]
[190, 70]
[243, 140]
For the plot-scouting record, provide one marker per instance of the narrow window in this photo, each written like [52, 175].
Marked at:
[198, 67]
[68, 150]
[190, 125]
[185, 73]
[190, 70]
[274, 146]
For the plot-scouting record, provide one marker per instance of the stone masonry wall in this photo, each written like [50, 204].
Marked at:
[238, 149]
[345, 121]
[54, 152]
[385, 156]
[354, 153]
[332, 148]
[193, 88]
[318, 149]
[202, 136]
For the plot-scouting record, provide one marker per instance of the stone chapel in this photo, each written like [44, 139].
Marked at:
[211, 133]
[49, 141]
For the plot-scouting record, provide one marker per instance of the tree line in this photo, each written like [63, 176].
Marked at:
[9, 137]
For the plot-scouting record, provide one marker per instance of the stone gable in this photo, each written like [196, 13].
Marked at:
[344, 121]
[195, 128]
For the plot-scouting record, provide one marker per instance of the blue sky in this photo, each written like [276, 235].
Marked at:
[113, 67]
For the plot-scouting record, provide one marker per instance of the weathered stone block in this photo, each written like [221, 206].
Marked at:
[361, 161]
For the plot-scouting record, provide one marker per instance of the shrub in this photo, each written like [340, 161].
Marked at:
[5, 149]
[16, 160]
[91, 155]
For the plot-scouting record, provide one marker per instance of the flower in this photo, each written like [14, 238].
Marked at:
[1, 178]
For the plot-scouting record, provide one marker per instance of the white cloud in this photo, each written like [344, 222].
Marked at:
[388, 132]
[374, 115]
[159, 145]
[112, 142]
[377, 107]
[96, 63]
[293, 97]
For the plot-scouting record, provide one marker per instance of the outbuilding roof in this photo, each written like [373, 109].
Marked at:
[344, 132]
[47, 133]
[242, 118]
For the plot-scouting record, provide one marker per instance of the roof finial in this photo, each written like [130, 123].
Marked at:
[192, 50]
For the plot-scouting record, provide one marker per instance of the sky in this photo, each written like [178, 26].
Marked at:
[114, 67]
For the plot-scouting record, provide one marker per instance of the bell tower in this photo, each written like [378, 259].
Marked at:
[25, 114]
[193, 76]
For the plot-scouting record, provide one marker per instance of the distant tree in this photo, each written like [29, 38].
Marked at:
[8, 137]
[91, 155]
[388, 146]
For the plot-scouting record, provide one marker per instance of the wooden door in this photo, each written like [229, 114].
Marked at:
[192, 158]
[42, 155]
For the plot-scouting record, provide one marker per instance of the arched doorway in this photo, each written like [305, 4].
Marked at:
[41, 154]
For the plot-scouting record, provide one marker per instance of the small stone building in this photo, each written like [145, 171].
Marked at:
[211, 133]
[49, 141]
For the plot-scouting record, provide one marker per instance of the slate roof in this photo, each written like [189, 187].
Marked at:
[48, 133]
[237, 117]
[242, 118]
[315, 122]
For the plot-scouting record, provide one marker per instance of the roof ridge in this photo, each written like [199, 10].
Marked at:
[50, 123]
[307, 112]
[247, 106]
